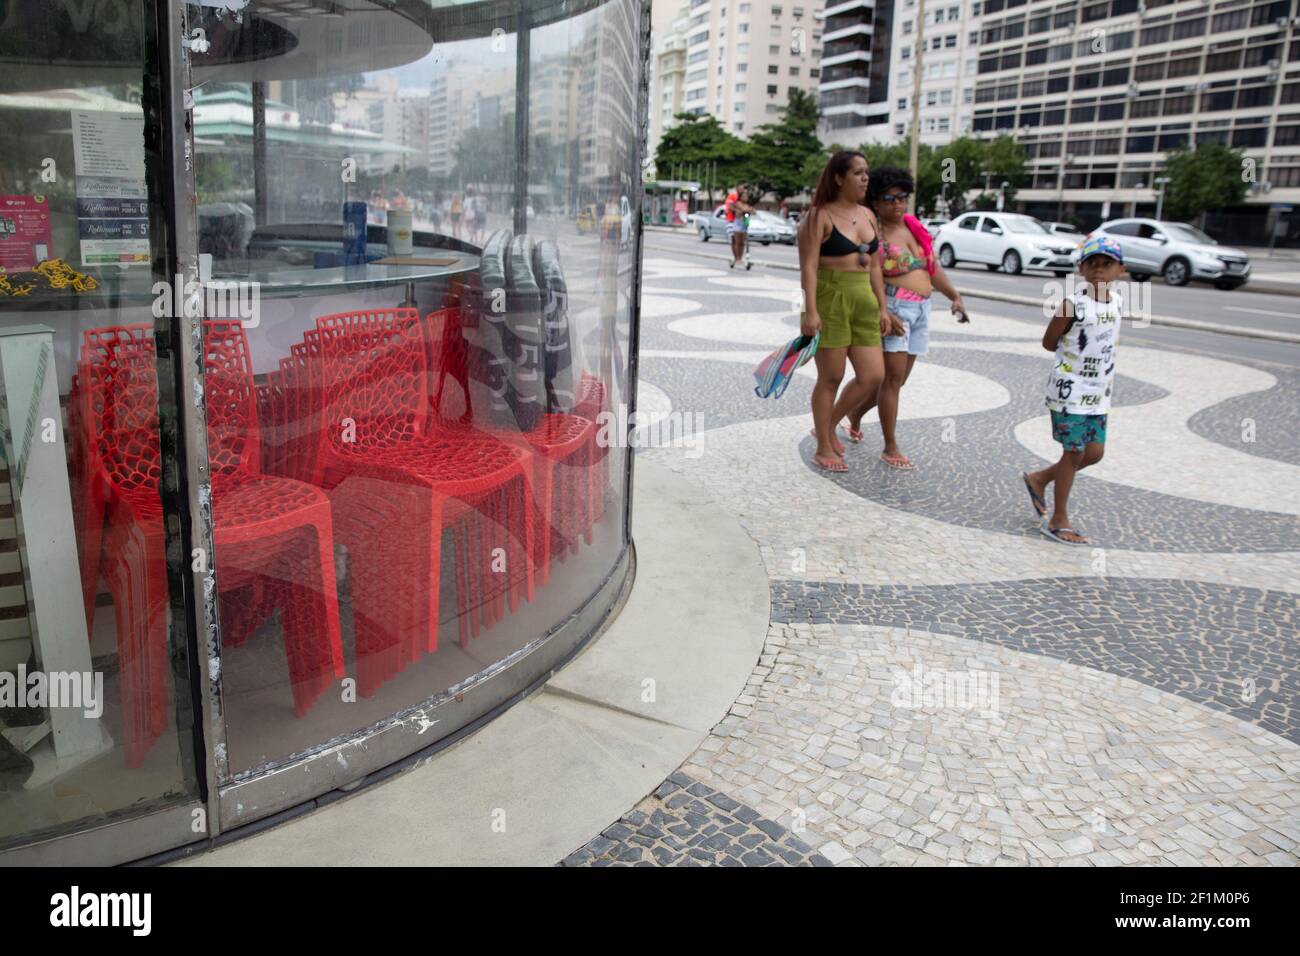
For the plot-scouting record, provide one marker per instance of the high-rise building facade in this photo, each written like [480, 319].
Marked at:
[947, 47]
[1099, 92]
[742, 59]
[853, 88]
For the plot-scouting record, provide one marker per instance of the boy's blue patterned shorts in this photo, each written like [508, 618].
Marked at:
[1073, 431]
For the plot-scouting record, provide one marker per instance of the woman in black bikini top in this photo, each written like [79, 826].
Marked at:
[842, 289]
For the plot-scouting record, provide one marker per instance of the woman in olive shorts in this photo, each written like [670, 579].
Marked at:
[842, 291]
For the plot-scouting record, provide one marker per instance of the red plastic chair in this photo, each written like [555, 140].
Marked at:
[274, 537]
[563, 446]
[591, 404]
[355, 419]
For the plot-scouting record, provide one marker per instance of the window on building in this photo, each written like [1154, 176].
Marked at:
[740, 87]
[950, 41]
[815, 73]
[945, 97]
[968, 95]
[772, 90]
[738, 108]
[1189, 28]
[700, 37]
[1232, 20]
[773, 108]
[907, 28]
[742, 28]
[742, 67]
[1249, 97]
[776, 11]
[773, 68]
[794, 71]
[774, 49]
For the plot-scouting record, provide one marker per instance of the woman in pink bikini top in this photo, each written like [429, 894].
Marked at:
[911, 274]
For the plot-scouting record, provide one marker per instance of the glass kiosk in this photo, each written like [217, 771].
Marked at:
[304, 358]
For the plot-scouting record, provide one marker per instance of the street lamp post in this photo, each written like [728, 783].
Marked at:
[916, 100]
[1066, 160]
[1160, 182]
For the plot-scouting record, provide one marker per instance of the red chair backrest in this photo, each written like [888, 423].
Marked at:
[374, 387]
[233, 440]
[119, 374]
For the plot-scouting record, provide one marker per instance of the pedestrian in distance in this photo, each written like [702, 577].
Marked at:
[842, 287]
[737, 208]
[1083, 333]
[455, 213]
[911, 273]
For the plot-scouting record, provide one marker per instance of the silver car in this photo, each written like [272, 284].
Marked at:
[761, 230]
[1177, 251]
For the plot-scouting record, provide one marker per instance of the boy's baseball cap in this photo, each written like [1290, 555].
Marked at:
[1102, 246]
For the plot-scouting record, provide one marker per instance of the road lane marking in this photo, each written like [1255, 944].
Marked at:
[1284, 315]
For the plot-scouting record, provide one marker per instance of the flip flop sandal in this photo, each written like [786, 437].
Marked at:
[901, 463]
[1040, 505]
[856, 436]
[813, 432]
[836, 465]
[1055, 535]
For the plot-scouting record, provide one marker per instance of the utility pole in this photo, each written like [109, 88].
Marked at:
[917, 53]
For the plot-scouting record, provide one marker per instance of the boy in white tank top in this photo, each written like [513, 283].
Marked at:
[1083, 333]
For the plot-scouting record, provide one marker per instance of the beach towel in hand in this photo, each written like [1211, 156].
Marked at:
[774, 372]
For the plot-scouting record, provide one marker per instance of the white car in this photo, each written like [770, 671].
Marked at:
[1067, 229]
[1003, 240]
[761, 230]
[783, 230]
[932, 226]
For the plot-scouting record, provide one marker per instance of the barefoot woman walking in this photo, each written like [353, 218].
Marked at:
[911, 274]
[842, 290]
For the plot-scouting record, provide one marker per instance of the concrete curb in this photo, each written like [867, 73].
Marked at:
[557, 768]
[1164, 320]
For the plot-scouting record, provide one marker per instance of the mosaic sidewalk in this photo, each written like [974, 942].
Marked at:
[943, 685]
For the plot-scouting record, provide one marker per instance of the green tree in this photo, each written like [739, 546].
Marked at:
[961, 169]
[1004, 162]
[780, 151]
[1209, 177]
[698, 142]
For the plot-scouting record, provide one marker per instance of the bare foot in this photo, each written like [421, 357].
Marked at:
[830, 463]
[835, 442]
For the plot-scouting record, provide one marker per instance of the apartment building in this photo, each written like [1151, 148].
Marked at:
[742, 59]
[853, 88]
[1099, 92]
[947, 47]
[667, 72]
[375, 108]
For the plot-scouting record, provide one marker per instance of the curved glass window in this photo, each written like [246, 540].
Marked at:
[413, 224]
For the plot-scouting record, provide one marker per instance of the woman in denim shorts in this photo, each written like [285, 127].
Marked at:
[911, 274]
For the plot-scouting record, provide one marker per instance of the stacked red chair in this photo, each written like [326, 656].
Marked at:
[274, 536]
[591, 404]
[563, 448]
[355, 418]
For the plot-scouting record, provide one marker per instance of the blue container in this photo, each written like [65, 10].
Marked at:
[354, 233]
